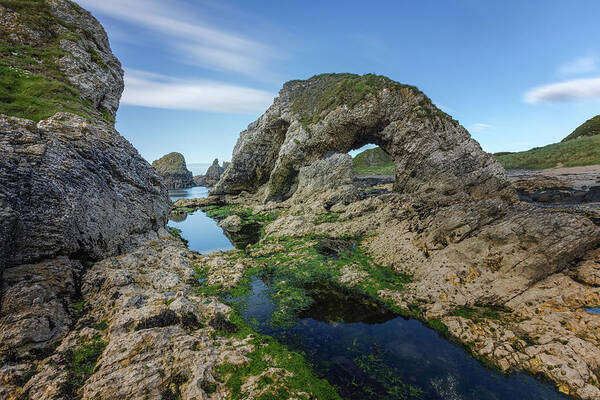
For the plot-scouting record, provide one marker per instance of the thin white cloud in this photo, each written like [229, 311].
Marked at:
[575, 89]
[583, 65]
[147, 89]
[193, 40]
[480, 127]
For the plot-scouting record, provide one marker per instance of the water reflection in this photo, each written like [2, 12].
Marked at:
[369, 353]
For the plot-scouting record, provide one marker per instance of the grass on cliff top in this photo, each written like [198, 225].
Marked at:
[172, 162]
[332, 90]
[591, 127]
[32, 85]
[572, 153]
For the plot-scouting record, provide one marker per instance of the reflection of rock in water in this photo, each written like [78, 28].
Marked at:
[177, 217]
[446, 388]
[248, 233]
[336, 304]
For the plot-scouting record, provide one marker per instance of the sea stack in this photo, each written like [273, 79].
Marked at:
[174, 172]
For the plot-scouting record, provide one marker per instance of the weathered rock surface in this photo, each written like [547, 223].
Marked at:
[72, 187]
[340, 112]
[87, 61]
[174, 172]
[72, 190]
[453, 222]
[212, 176]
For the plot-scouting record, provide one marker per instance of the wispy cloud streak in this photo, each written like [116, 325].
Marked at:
[576, 89]
[583, 65]
[158, 91]
[195, 42]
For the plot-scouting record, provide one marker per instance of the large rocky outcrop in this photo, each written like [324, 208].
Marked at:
[69, 46]
[212, 176]
[453, 222]
[73, 187]
[340, 112]
[72, 190]
[174, 172]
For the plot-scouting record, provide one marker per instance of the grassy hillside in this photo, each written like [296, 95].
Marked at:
[373, 162]
[591, 127]
[570, 153]
[31, 83]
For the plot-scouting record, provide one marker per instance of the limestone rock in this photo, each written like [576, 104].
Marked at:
[72, 187]
[340, 112]
[212, 176]
[174, 172]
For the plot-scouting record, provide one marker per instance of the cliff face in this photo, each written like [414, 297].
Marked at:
[173, 171]
[72, 190]
[335, 113]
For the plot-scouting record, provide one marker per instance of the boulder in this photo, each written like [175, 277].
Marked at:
[335, 113]
[174, 172]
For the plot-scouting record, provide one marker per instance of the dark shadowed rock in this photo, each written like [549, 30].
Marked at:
[174, 172]
[335, 113]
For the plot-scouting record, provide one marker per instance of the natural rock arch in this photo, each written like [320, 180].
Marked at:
[335, 113]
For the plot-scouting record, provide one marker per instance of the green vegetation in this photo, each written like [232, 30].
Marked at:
[177, 234]
[591, 127]
[479, 313]
[387, 168]
[314, 261]
[333, 90]
[81, 363]
[576, 152]
[31, 83]
[246, 214]
[329, 216]
[269, 353]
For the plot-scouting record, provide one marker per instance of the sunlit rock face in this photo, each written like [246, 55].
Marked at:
[173, 171]
[335, 113]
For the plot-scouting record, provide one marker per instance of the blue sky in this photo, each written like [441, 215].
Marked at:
[516, 74]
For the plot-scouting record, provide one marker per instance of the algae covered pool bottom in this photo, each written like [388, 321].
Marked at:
[369, 353]
[360, 347]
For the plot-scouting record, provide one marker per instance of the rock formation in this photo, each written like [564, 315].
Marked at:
[212, 176]
[72, 190]
[340, 112]
[174, 172]
[453, 222]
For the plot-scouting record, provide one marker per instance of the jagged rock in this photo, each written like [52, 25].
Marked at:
[341, 112]
[212, 176]
[72, 190]
[72, 187]
[174, 172]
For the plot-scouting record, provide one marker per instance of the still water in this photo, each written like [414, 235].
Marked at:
[366, 351]
[202, 232]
